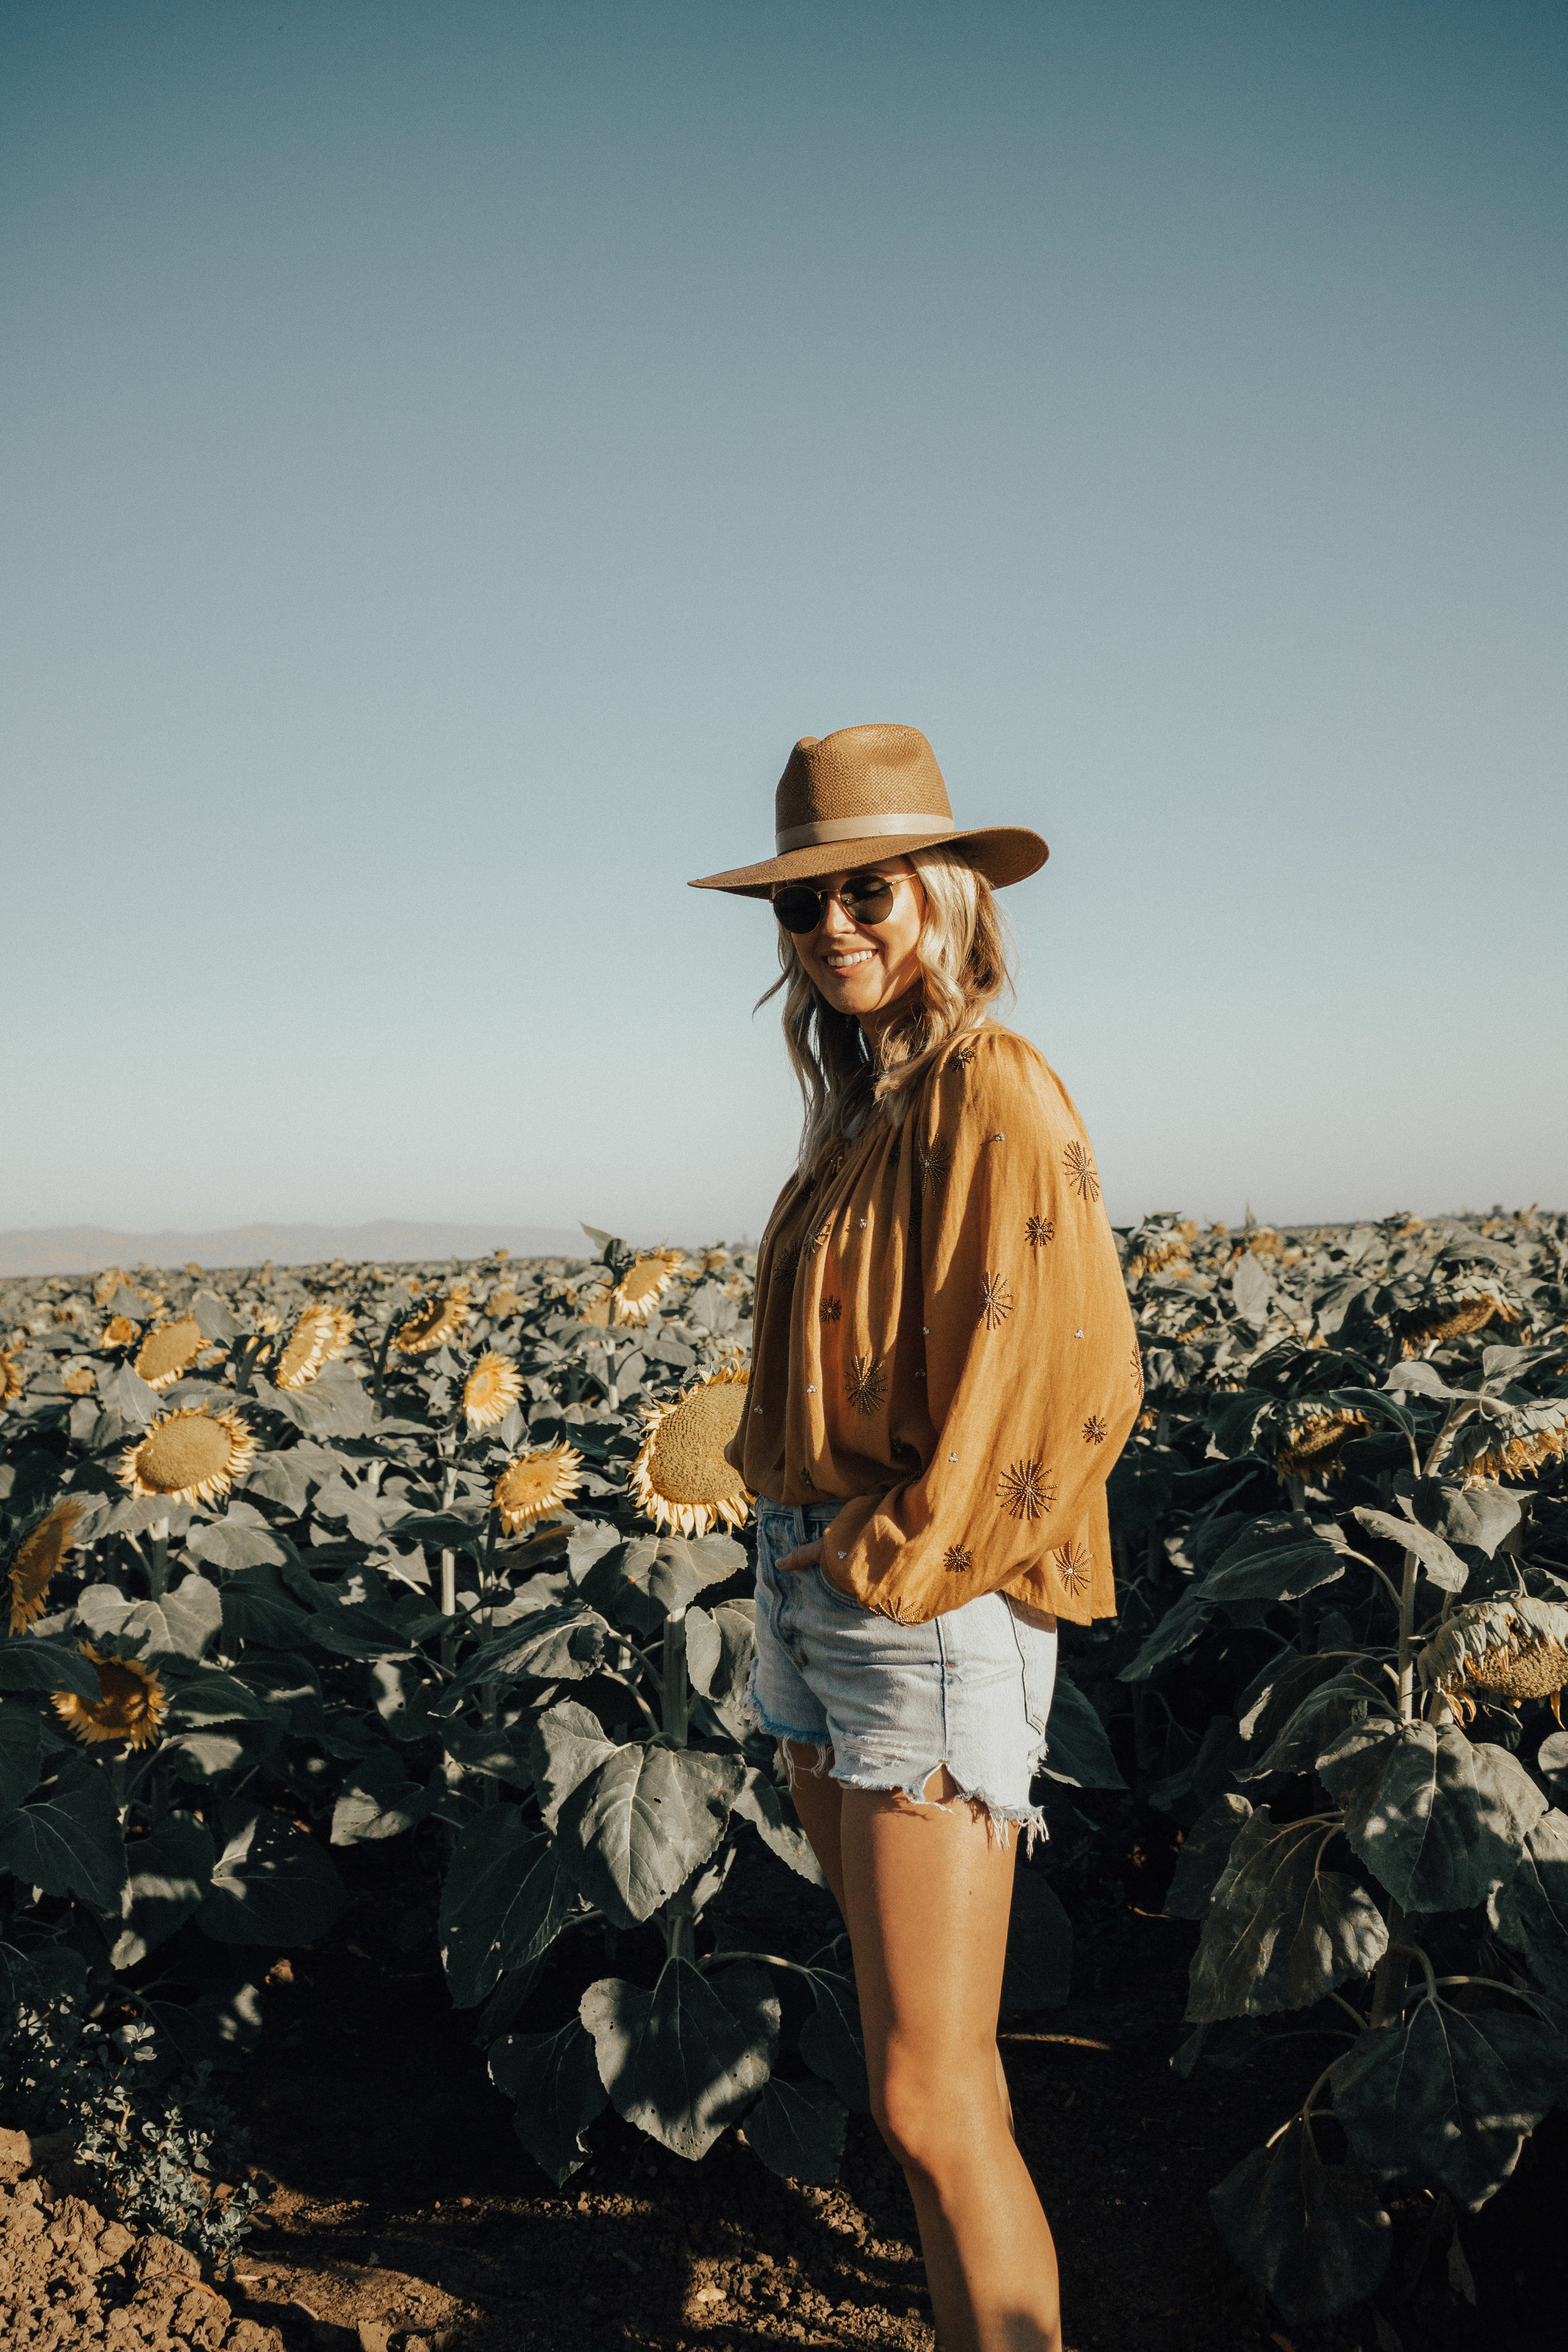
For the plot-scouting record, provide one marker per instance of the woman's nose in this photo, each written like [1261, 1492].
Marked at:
[834, 919]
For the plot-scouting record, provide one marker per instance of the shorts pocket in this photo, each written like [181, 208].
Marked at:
[840, 1600]
[1038, 1656]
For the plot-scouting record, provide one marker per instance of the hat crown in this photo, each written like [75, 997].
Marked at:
[860, 771]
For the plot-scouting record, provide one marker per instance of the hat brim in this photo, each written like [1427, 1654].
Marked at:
[1002, 853]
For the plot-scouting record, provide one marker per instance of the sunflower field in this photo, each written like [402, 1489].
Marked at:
[303, 1559]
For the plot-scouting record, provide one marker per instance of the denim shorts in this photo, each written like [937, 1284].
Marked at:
[970, 1689]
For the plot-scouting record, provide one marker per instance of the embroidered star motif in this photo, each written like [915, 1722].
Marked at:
[1080, 1172]
[1072, 1563]
[957, 1559]
[1039, 1231]
[935, 1165]
[1094, 1431]
[868, 1385]
[1026, 1491]
[831, 1309]
[995, 1301]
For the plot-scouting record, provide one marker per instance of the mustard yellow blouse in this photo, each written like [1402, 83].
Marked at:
[942, 1341]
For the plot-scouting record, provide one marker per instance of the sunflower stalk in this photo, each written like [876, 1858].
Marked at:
[158, 1558]
[676, 1703]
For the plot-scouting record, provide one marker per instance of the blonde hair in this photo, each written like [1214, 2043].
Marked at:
[964, 952]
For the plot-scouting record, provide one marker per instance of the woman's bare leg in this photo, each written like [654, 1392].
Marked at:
[926, 1895]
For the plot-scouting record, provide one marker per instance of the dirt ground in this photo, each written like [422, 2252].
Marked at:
[405, 2217]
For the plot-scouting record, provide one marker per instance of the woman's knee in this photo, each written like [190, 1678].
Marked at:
[930, 2121]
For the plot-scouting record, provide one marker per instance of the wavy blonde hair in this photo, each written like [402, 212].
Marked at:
[965, 959]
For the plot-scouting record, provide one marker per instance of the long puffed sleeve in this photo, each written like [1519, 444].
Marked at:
[1026, 1354]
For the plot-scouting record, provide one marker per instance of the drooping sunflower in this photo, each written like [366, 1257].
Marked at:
[13, 1379]
[644, 1283]
[1313, 1435]
[1468, 1305]
[38, 1556]
[107, 1283]
[492, 1390]
[130, 1705]
[1532, 1435]
[80, 1380]
[681, 1478]
[440, 1319]
[118, 1332]
[321, 1333]
[169, 1350]
[1514, 1649]
[189, 1455]
[536, 1484]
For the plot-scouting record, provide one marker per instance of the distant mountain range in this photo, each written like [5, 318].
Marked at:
[83, 1249]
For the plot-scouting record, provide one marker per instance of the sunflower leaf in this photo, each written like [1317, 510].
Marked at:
[1438, 1820]
[272, 1884]
[28, 1663]
[1446, 2101]
[68, 1840]
[634, 1831]
[504, 1902]
[552, 2081]
[689, 2058]
[1076, 1749]
[797, 2129]
[1315, 2235]
[170, 1876]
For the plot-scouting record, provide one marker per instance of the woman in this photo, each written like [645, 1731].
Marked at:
[943, 1370]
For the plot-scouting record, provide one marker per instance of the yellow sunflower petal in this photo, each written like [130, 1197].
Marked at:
[536, 1484]
[190, 1455]
[492, 1390]
[680, 1477]
[130, 1705]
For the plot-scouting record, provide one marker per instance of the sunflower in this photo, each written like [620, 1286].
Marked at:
[596, 1309]
[321, 1333]
[712, 1259]
[189, 1455]
[170, 1350]
[80, 1380]
[1469, 1305]
[681, 1478]
[107, 1283]
[1534, 1435]
[13, 1379]
[1515, 1649]
[492, 1390]
[502, 1301]
[130, 1705]
[645, 1281]
[38, 1556]
[536, 1484]
[118, 1332]
[440, 1319]
[1313, 1435]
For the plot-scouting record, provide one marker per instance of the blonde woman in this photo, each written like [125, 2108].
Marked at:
[944, 1368]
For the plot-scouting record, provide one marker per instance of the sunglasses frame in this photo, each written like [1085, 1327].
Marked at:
[824, 899]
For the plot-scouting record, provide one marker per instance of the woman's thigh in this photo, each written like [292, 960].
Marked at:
[927, 1894]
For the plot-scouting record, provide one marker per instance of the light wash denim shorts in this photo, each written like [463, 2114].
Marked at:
[970, 1690]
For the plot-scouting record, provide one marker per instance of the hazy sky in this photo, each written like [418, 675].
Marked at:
[451, 451]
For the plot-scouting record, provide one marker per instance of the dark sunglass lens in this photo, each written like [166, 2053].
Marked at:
[798, 909]
[870, 900]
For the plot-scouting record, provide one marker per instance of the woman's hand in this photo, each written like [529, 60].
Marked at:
[808, 1555]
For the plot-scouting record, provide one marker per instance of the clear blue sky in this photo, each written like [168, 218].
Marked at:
[451, 451]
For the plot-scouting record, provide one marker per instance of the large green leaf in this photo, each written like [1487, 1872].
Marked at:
[256, 1607]
[1315, 2235]
[758, 1801]
[1481, 1515]
[640, 1582]
[272, 1884]
[719, 1647]
[1281, 1931]
[1076, 1749]
[552, 2081]
[231, 1544]
[1330, 1706]
[1279, 1558]
[830, 2040]
[379, 1799]
[1440, 1560]
[689, 2058]
[29, 1664]
[21, 1738]
[642, 1821]
[503, 1903]
[1177, 1630]
[1039, 1971]
[68, 1840]
[1446, 2101]
[1437, 1819]
[170, 1877]
[566, 1745]
[1205, 1853]
[797, 2129]
[1532, 1906]
[561, 1644]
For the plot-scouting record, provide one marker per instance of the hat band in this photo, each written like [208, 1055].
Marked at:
[859, 828]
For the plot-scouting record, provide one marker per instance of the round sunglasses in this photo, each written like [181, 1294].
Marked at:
[865, 899]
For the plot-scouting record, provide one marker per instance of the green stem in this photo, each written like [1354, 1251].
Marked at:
[677, 1700]
[158, 1560]
[1388, 1983]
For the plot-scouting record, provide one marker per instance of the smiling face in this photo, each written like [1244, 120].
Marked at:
[866, 969]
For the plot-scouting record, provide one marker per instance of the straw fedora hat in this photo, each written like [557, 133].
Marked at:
[871, 792]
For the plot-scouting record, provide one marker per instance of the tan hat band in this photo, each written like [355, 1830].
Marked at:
[859, 828]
